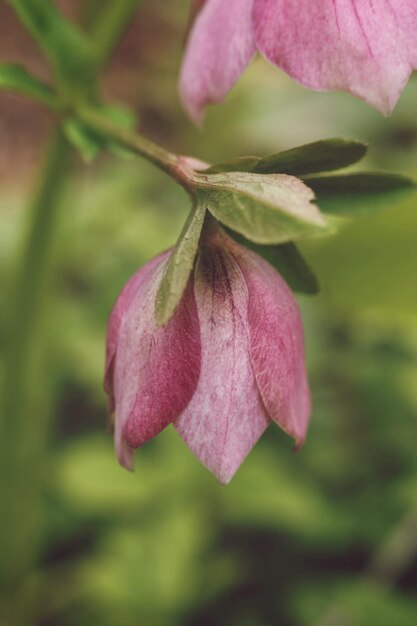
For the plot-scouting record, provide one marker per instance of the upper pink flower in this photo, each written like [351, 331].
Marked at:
[229, 361]
[367, 47]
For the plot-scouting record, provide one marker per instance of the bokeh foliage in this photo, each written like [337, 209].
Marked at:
[295, 540]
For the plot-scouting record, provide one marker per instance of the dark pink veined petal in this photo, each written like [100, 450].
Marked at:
[277, 344]
[225, 417]
[367, 47]
[219, 48]
[156, 370]
[119, 312]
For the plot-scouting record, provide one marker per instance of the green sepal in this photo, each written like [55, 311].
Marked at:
[359, 193]
[179, 267]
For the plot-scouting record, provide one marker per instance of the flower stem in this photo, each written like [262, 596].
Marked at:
[34, 261]
[166, 161]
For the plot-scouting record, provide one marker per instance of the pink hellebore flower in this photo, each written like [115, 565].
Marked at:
[229, 361]
[367, 47]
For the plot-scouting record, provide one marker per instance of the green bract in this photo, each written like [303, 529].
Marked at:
[179, 267]
[266, 209]
[267, 212]
[319, 156]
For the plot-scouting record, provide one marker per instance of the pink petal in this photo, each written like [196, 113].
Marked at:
[277, 345]
[156, 370]
[119, 312]
[367, 47]
[219, 48]
[195, 8]
[225, 417]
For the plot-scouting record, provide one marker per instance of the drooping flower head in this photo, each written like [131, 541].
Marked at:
[366, 47]
[230, 361]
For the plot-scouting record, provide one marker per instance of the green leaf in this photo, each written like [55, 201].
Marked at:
[288, 261]
[264, 209]
[67, 48]
[179, 267]
[16, 78]
[320, 156]
[353, 194]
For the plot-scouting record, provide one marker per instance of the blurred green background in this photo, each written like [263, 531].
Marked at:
[327, 537]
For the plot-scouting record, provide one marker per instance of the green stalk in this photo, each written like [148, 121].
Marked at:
[152, 152]
[22, 435]
[32, 271]
[24, 423]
